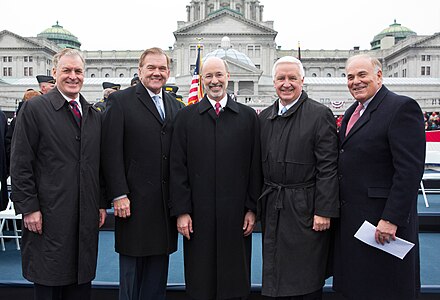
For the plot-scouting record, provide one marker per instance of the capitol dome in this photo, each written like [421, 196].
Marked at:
[395, 30]
[227, 51]
[61, 37]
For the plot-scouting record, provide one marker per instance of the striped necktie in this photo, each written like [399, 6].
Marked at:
[76, 112]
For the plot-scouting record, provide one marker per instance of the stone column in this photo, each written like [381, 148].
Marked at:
[255, 88]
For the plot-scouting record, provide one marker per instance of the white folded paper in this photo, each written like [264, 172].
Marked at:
[398, 248]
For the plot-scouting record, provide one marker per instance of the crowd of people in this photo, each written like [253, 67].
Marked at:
[210, 171]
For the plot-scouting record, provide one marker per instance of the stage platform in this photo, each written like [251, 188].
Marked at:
[13, 286]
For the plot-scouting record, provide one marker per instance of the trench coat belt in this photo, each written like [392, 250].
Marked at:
[270, 186]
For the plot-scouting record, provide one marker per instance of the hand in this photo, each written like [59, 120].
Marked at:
[320, 223]
[34, 222]
[385, 232]
[102, 216]
[122, 207]
[249, 223]
[184, 225]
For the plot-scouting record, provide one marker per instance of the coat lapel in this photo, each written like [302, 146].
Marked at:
[366, 116]
[143, 96]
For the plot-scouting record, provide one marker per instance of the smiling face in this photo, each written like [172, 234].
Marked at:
[69, 75]
[288, 82]
[215, 78]
[363, 78]
[154, 72]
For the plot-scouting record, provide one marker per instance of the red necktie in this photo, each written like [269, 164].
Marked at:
[217, 108]
[76, 112]
[354, 117]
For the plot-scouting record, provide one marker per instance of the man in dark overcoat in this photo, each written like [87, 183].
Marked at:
[55, 184]
[381, 163]
[215, 183]
[136, 142]
[299, 154]
[4, 162]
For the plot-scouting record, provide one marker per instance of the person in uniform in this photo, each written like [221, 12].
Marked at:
[108, 89]
[46, 83]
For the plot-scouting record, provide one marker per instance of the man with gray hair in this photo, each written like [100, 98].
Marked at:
[381, 162]
[300, 194]
[55, 185]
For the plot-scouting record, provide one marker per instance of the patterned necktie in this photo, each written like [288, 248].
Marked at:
[217, 108]
[156, 101]
[76, 112]
[283, 110]
[354, 117]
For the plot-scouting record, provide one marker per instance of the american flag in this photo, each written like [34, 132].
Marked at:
[196, 89]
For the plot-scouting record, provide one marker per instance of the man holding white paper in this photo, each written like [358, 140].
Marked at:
[381, 162]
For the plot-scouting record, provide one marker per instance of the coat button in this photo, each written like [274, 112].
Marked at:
[78, 138]
[341, 151]
[164, 157]
[163, 132]
[164, 182]
[340, 177]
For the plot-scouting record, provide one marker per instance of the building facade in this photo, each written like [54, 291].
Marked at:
[236, 31]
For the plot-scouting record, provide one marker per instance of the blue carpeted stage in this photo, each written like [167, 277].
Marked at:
[105, 286]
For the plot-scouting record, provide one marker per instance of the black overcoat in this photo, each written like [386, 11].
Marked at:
[299, 154]
[4, 162]
[381, 163]
[216, 177]
[135, 162]
[55, 169]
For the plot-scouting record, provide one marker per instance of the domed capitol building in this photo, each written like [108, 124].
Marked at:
[235, 31]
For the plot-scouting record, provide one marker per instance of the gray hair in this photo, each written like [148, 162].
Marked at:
[67, 52]
[291, 60]
[373, 60]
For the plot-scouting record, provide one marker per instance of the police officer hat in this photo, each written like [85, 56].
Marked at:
[45, 78]
[109, 85]
[171, 88]
[134, 80]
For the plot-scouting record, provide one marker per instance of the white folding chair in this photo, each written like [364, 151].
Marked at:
[5, 215]
[432, 160]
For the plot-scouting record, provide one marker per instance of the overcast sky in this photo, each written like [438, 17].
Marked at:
[140, 24]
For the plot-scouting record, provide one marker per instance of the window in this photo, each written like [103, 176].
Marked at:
[343, 75]
[9, 58]
[5, 59]
[329, 75]
[423, 58]
[257, 51]
[254, 50]
[121, 75]
[396, 74]
[5, 72]
[404, 73]
[313, 74]
[428, 57]
[422, 72]
[25, 59]
[9, 71]
[93, 75]
[31, 59]
[258, 66]
[31, 71]
[26, 71]
[428, 71]
[107, 75]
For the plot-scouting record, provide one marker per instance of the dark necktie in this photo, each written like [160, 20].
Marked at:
[217, 108]
[354, 117]
[76, 112]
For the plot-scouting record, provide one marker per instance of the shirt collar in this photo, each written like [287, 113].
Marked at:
[223, 102]
[288, 106]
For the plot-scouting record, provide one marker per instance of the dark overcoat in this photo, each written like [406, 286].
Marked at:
[135, 162]
[4, 162]
[299, 154]
[381, 163]
[216, 178]
[55, 169]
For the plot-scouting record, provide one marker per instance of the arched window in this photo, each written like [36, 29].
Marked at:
[329, 75]
[313, 74]
[107, 75]
[121, 75]
[92, 75]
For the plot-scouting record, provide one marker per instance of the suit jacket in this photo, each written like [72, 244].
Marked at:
[135, 162]
[55, 169]
[381, 163]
